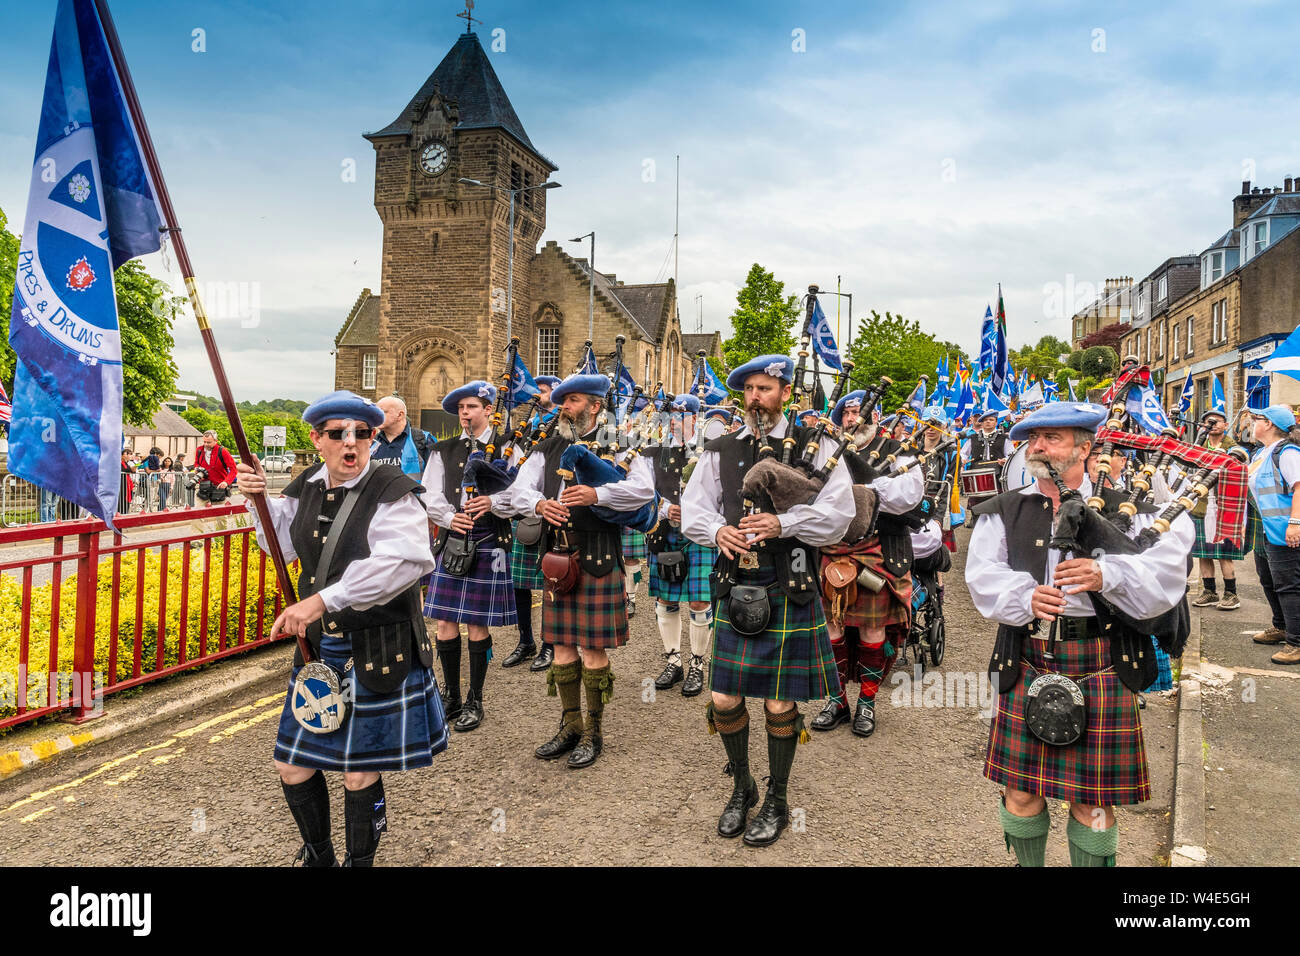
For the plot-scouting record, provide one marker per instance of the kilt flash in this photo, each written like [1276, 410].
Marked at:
[484, 596]
[1222, 549]
[524, 566]
[791, 660]
[1105, 767]
[699, 560]
[634, 548]
[593, 614]
[398, 731]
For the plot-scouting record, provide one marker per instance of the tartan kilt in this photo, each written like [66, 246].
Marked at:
[1107, 766]
[791, 660]
[593, 614]
[484, 596]
[891, 605]
[634, 548]
[400, 730]
[1255, 539]
[699, 560]
[525, 566]
[1222, 549]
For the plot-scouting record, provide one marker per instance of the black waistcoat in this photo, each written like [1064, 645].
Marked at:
[317, 507]
[454, 453]
[599, 542]
[983, 448]
[668, 461]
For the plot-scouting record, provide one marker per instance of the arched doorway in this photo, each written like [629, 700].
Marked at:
[440, 374]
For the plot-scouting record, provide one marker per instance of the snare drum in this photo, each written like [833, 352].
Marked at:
[980, 482]
[1014, 473]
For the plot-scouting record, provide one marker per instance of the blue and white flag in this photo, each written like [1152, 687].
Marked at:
[588, 364]
[90, 207]
[1032, 396]
[965, 403]
[1051, 391]
[1217, 403]
[1286, 357]
[523, 387]
[1145, 407]
[995, 404]
[1185, 399]
[1070, 383]
[707, 387]
[917, 398]
[823, 339]
[940, 396]
[625, 385]
[988, 342]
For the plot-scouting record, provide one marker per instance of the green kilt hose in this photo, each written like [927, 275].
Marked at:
[593, 614]
[634, 548]
[525, 566]
[1220, 549]
[791, 660]
[1107, 766]
[699, 561]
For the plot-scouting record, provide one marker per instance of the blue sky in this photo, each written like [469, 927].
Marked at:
[924, 152]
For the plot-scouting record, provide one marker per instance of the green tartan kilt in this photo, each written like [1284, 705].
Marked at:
[593, 614]
[699, 561]
[1222, 549]
[525, 567]
[1255, 539]
[1105, 767]
[634, 548]
[791, 660]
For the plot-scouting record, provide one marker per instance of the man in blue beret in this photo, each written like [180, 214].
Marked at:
[770, 639]
[1089, 754]
[477, 592]
[988, 445]
[359, 530]
[848, 410]
[585, 604]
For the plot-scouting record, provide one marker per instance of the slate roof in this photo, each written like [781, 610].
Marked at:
[1283, 204]
[1229, 240]
[648, 303]
[361, 327]
[692, 342]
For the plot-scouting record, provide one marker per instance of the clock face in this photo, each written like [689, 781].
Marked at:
[433, 159]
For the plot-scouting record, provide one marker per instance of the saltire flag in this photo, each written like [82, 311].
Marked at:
[707, 387]
[91, 206]
[917, 399]
[823, 339]
[1070, 383]
[1144, 405]
[1217, 403]
[1185, 398]
[940, 396]
[988, 341]
[1001, 366]
[523, 387]
[965, 402]
[1286, 357]
[588, 364]
[1051, 391]
[995, 404]
[6, 408]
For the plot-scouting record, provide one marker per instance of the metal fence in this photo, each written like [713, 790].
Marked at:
[84, 613]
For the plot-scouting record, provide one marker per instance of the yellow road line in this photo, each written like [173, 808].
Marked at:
[129, 775]
[244, 725]
[39, 813]
[158, 761]
[111, 764]
[229, 715]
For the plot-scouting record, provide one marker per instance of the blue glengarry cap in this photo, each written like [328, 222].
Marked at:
[484, 391]
[777, 366]
[851, 400]
[1059, 415]
[343, 405]
[597, 386]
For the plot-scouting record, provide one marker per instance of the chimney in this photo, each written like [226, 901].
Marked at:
[1255, 191]
[1245, 187]
[1287, 182]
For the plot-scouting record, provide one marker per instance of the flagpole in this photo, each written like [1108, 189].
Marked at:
[173, 231]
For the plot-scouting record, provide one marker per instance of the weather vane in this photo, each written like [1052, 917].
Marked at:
[468, 16]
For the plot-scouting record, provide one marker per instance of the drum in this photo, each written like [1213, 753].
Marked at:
[714, 427]
[980, 482]
[1014, 473]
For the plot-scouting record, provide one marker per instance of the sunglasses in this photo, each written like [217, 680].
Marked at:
[361, 432]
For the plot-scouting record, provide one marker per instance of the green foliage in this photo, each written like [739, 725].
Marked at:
[1099, 361]
[8, 269]
[296, 430]
[291, 407]
[764, 319]
[1075, 361]
[893, 346]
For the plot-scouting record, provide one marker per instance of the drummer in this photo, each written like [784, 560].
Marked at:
[988, 444]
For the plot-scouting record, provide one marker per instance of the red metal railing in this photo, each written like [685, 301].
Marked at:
[189, 613]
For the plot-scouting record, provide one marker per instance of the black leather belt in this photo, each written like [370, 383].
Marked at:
[1077, 628]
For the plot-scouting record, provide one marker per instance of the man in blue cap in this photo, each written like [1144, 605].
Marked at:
[766, 583]
[1274, 483]
[679, 568]
[1016, 578]
[359, 530]
[584, 608]
[481, 595]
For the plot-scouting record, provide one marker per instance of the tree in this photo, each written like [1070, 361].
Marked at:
[893, 346]
[145, 315]
[1099, 361]
[1110, 335]
[763, 321]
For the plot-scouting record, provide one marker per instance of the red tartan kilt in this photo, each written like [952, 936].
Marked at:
[1106, 767]
[593, 614]
[891, 605]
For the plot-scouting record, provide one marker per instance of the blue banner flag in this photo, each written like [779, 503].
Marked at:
[91, 206]
[588, 364]
[1185, 399]
[523, 387]
[823, 339]
[1069, 382]
[707, 387]
[1217, 403]
[1001, 364]
[625, 384]
[1051, 391]
[1286, 357]
[917, 398]
[1145, 407]
[988, 342]
[965, 402]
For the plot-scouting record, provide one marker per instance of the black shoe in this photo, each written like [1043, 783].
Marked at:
[585, 754]
[319, 855]
[451, 706]
[767, 823]
[694, 678]
[832, 715]
[471, 715]
[732, 822]
[523, 650]
[559, 745]
[864, 718]
[631, 606]
[545, 657]
[670, 675]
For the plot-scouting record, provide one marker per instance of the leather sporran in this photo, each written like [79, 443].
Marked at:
[529, 530]
[319, 704]
[839, 587]
[672, 566]
[748, 609]
[560, 570]
[458, 555]
[1055, 710]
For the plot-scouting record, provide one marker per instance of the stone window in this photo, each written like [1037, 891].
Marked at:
[1219, 313]
[548, 351]
[527, 194]
[516, 176]
[1173, 351]
[1191, 334]
[1211, 268]
[1163, 290]
[369, 367]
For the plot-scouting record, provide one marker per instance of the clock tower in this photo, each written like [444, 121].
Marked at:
[442, 305]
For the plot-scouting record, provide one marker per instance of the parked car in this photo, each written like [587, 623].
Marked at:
[273, 464]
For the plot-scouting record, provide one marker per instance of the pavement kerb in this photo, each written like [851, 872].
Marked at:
[1188, 839]
[195, 690]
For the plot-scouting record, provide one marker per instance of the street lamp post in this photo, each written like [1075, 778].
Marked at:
[510, 255]
[591, 285]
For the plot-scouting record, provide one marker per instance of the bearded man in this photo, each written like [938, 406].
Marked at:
[1017, 579]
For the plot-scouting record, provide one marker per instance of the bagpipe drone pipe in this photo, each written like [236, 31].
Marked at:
[580, 465]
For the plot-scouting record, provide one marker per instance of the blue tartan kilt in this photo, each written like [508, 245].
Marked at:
[699, 564]
[485, 596]
[400, 730]
[791, 660]
[525, 567]
[1221, 549]
[634, 548]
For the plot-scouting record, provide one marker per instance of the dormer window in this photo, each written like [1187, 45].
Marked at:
[1163, 292]
[1211, 268]
[1259, 238]
[1141, 305]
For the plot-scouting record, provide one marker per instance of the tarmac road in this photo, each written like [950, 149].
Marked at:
[200, 789]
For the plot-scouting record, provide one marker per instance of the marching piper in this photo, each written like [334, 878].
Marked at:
[590, 613]
[359, 530]
[788, 658]
[1018, 580]
[477, 590]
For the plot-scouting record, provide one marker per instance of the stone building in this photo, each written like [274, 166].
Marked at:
[439, 318]
[1111, 305]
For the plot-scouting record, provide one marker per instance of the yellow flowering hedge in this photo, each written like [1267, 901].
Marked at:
[11, 611]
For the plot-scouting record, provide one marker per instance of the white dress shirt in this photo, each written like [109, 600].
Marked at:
[928, 540]
[440, 510]
[897, 494]
[399, 548]
[637, 489]
[1141, 585]
[821, 523]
